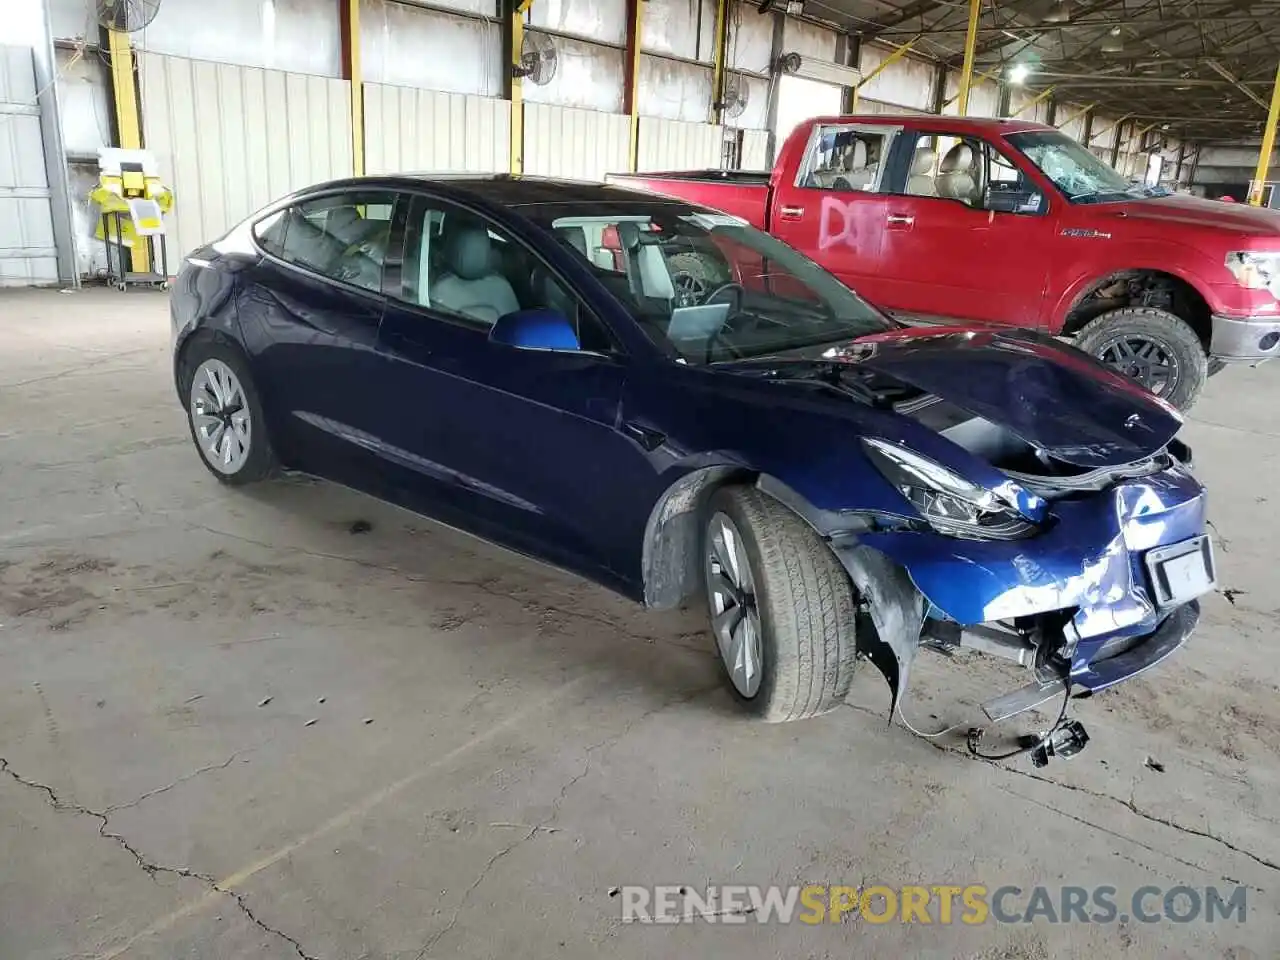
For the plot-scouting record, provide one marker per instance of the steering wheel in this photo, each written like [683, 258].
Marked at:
[732, 285]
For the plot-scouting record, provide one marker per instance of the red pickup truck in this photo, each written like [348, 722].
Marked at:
[947, 218]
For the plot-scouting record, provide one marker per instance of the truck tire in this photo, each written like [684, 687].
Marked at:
[791, 597]
[695, 275]
[1155, 347]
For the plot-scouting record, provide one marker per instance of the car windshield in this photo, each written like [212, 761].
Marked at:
[709, 287]
[1077, 172]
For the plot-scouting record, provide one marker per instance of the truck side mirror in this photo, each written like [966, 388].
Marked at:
[1011, 199]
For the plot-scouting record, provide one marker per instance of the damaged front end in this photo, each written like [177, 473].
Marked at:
[1104, 588]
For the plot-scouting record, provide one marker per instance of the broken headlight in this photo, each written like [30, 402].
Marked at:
[1256, 271]
[949, 503]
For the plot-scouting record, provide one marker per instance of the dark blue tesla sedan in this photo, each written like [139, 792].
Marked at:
[672, 403]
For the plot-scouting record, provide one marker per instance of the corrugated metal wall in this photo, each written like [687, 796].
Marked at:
[232, 138]
[672, 145]
[579, 144]
[27, 251]
[755, 149]
[410, 130]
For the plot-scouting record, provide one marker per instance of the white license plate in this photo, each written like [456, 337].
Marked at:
[1181, 571]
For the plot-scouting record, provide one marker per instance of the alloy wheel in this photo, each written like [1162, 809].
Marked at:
[1148, 361]
[220, 416]
[731, 594]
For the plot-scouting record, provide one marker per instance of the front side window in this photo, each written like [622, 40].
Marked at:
[341, 237]
[966, 169]
[707, 287]
[1081, 176]
[846, 158]
[472, 272]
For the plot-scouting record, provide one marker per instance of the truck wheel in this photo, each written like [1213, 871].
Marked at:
[695, 276]
[1155, 347]
[782, 607]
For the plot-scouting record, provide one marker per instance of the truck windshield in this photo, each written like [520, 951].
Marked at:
[1077, 172]
[708, 287]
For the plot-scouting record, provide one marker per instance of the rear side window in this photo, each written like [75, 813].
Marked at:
[344, 237]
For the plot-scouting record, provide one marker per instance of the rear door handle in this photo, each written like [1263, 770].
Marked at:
[901, 220]
[791, 213]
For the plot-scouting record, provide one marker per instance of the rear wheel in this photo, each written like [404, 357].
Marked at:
[782, 607]
[1155, 347]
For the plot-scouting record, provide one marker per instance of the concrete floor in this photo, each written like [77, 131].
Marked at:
[230, 727]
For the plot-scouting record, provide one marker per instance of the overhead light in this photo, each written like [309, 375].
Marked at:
[795, 7]
[1112, 44]
[1018, 72]
[1114, 31]
[1058, 13]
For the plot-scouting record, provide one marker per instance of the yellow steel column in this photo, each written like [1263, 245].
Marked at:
[349, 28]
[897, 54]
[970, 46]
[1268, 144]
[515, 81]
[631, 102]
[718, 67]
[124, 88]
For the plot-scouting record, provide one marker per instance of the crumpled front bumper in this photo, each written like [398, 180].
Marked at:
[1089, 563]
[1245, 339]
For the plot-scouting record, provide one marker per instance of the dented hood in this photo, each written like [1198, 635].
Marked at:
[1045, 392]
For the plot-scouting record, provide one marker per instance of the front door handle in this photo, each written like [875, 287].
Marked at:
[791, 213]
[901, 220]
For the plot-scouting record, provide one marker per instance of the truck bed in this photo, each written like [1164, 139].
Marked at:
[743, 193]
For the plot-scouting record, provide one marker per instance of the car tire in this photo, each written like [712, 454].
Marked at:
[801, 598]
[1118, 337]
[240, 452]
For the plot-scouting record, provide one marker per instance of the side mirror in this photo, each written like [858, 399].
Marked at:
[1012, 200]
[538, 329]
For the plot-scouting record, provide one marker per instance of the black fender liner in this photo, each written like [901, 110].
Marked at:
[889, 597]
[896, 608]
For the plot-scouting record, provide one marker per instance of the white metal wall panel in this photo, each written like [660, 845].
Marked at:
[28, 254]
[672, 145]
[984, 96]
[413, 47]
[230, 139]
[681, 28]
[673, 89]
[408, 130]
[579, 144]
[750, 45]
[588, 76]
[1074, 128]
[906, 82]
[755, 149]
[808, 39]
[866, 105]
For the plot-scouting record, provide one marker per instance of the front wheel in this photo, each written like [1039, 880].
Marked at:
[1155, 347]
[225, 416]
[782, 607]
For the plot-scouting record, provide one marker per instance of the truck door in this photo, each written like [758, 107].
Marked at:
[832, 207]
[946, 254]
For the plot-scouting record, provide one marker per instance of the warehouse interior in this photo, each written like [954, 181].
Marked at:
[296, 722]
[281, 87]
